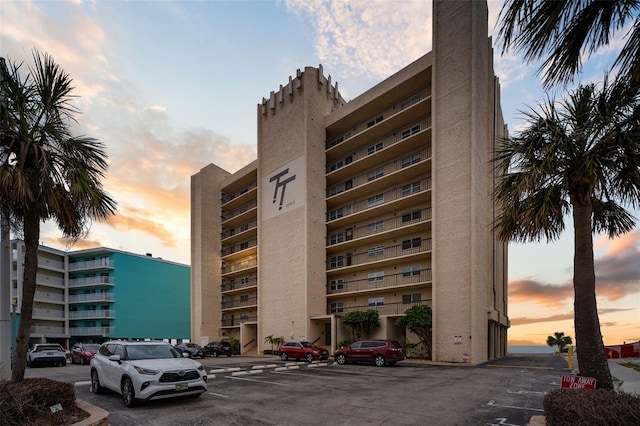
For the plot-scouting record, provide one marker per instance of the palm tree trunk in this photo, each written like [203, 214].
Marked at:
[592, 360]
[31, 236]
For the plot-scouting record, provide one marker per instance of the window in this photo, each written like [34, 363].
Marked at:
[375, 148]
[375, 200]
[375, 174]
[411, 159]
[244, 245]
[244, 280]
[410, 188]
[244, 298]
[336, 165]
[244, 227]
[348, 234]
[411, 298]
[336, 238]
[415, 242]
[376, 226]
[376, 276]
[374, 121]
[348, 185]
[336, 307]
[376, 251]
[408, 217]
[336, 261]
[410, 131]
[407, 271]
[376, 301]
[336, 285]
[336, 214]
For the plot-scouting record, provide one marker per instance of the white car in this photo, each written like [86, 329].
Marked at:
[46, 353]
[145, 371]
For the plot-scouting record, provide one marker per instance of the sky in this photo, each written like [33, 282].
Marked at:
[172, 86]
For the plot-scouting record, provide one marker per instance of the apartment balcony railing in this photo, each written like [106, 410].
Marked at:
[42, 329]
[375, 201]
[42, 279]
[42, 296]
[226, 215]
[237, 266]
[225, 198]
[387, 281]
[244, 245]
[232, 322]
[396, 308]
[92, 281]
[239, 302]
[379, 172]
[92, 297]
[238, 229]
[238, 283]
[104, 263]
[380, 226]
[48, 313]
[386, 114]
[91, 331]
[44, 262]
[98, 313]
[377, 255]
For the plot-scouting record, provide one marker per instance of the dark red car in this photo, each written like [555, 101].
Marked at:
[380, 352]
[81, 353]
[301, 350]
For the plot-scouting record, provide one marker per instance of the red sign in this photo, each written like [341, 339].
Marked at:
[578, 382]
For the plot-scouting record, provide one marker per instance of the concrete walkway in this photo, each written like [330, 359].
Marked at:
[630, 378]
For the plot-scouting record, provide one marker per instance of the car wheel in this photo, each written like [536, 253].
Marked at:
[341, 359]
[95, 383]
[309, 357]
[128, 393]
[379, 361]
[284, 356]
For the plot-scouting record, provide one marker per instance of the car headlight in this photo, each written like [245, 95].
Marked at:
[200, 367]
[146, 371]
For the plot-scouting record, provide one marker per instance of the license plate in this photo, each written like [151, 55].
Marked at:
[182, 387]
[49, 353]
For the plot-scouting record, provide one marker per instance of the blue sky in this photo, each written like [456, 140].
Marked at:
[171, 86]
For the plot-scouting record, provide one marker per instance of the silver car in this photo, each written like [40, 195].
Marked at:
[46, 354]
[146, 371]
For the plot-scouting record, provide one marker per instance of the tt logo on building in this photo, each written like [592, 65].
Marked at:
[281, 184]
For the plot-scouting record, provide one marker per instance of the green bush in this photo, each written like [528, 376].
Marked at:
[600, 407]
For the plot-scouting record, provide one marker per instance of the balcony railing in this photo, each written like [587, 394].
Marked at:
[43, 296]
[91, 281]
[238, 283]
[381, 199]
[382, 253]
[239, 302]
[237, 266]
[244, 208]
[98, 313]
[43, 279]
[228, 197]
[240, 246]
[44, 262]
[232, 322]
[41, 329]
[397, 308]
[48, 313]
[366, 284]
[379, 226]
[91, 331]
[238, 229]
[92, 297]
[104, 263]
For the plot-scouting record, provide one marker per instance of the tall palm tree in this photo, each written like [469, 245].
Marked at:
[560, 340]
[579, 157]
[45, 172]
[560, 32]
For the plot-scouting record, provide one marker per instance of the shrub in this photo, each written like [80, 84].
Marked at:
[565, 407]
[30, 402]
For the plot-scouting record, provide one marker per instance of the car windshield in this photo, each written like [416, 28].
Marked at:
[152, 352]
[308, 344]
[40, 348]
[91, 347]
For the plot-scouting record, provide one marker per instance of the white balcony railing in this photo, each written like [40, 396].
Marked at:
[98, 313]
[48, 313]
[92, 264]
[92, 297]
[90, 281]
[90, 331]
[41, 329]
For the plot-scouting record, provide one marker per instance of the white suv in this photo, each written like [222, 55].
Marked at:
[46, 353]
[145, 371]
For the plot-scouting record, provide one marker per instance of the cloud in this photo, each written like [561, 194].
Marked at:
[552, 295]
[567, 316]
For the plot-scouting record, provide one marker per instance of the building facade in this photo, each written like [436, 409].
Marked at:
[382, 202]
[98, 294]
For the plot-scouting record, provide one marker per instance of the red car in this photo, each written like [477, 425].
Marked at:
[380, 352]
[301, 350]
[81, 353]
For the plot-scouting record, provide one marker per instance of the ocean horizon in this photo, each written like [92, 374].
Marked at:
[531, 349]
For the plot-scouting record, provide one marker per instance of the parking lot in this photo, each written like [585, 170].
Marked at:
[268, 391]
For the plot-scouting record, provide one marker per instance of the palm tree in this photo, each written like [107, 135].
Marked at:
[45, 172]
[560, 340]
[561, 32]
[578, 157]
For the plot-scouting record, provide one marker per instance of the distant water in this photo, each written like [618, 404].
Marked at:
[531, 349]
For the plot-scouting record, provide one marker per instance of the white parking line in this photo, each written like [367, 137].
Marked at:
[82, 383]
[493, 404]
[218, 394]
[287, 373]
[254, 380]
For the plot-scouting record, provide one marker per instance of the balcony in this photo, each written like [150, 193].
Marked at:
[48, 280]
[226, 215]
[42, 296]
[242, 265]
[92, 297]
[244, 245]
[104, 263]
[226, 197]
[240, 302]
[388, 309]
[380, 255]
[235, 322]
[237, 230]
[99, 281]
[48, 314]
[238, 284]
[92, 314]
[46, 263]
[42, 329]
[91, 331]
[385, 282]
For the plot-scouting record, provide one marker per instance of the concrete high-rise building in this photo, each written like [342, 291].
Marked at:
[382, 202]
